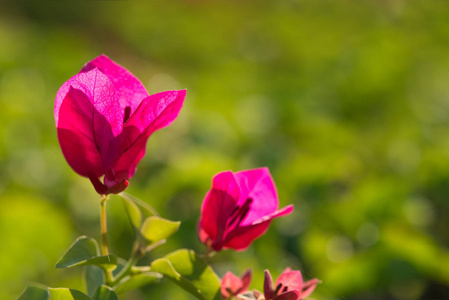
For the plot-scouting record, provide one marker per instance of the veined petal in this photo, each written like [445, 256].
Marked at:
[154, 112]
[102, 111]
[218, 205]
[76, 136]
[257, 184]
[129, 89]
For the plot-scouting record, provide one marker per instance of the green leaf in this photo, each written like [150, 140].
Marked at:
[133, 212]
[84, 251]
[155, 229]
[137, 281]
[191, 273]
[105, 293]
[145, 209]
[67, 294]
[93, 278]
[34, 293]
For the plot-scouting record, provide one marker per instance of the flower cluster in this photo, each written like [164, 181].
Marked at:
[289, 286]
[104, 117]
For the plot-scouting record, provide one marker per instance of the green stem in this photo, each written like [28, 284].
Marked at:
[104, 237]
[127, 268]
[104, 226]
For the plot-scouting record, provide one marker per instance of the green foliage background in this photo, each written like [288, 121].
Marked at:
[347, 103]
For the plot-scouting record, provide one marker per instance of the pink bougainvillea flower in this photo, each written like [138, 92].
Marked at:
[104, 117]
[232, 285]
[238, 209]
[288, 286]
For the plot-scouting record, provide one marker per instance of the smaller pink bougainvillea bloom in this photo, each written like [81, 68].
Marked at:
[288, 286]
[104, 117]
[232, 285]
[238, 209]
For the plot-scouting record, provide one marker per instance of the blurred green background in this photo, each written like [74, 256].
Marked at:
[347, 103]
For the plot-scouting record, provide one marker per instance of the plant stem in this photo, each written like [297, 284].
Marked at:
[127, 268]
[104, 229]
[104, 237]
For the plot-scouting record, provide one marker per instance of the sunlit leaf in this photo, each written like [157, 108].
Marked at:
[67, 294]
[105, 293]
[84, 251]
[34, 293]
[189, 271]
[155, 229]
[137, 281]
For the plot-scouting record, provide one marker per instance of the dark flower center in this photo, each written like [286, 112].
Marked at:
[279, 289]
[239, 213]
[127, 113]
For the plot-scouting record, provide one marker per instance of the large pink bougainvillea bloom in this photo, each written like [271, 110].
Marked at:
[238, 209]
[104, 117]
[232, 285]
[288, 286]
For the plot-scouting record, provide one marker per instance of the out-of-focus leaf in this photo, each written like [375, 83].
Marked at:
[93, 278]
[120, 265]
[145, 209]
[67, 294]
[105, 293]
[137, 281]
[84, 251]
[189, 271]
[133, 212]
[155, 229]
[34, 293]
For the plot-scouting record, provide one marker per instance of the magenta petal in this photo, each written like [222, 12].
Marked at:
[290, 295]
[100, 188]
[308, 287]
[218, 205]
[241, 237]
[75, 134]
[290, 281]
[268, 289]
[154, 112]
[257, 184]
[230, 285]
[129, 89]
[246, 279]
[101, 110]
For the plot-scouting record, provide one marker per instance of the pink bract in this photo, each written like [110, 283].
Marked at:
[232, 285]
[238, 209]
[104, 117]
[289, 286]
